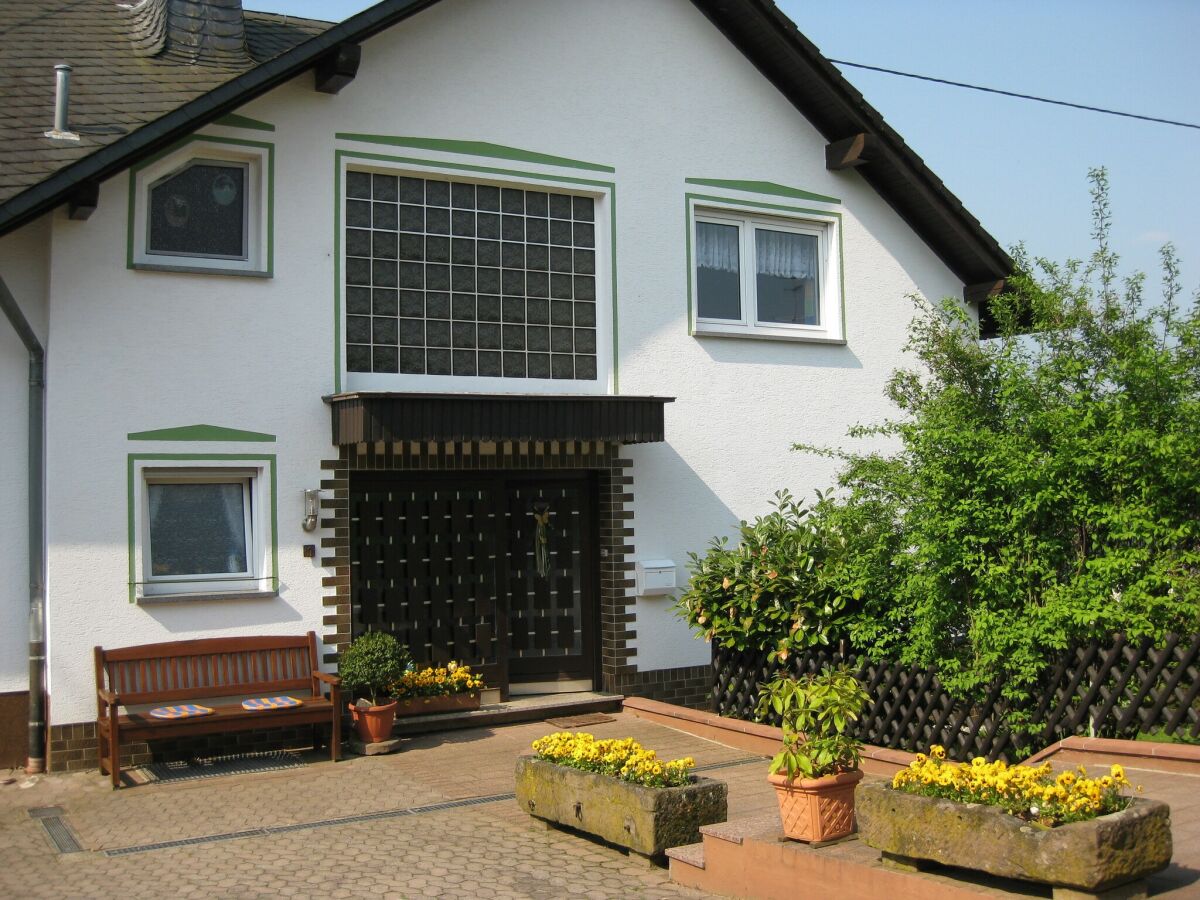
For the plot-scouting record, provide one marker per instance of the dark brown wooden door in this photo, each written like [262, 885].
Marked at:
[449, 563]
[552, 595]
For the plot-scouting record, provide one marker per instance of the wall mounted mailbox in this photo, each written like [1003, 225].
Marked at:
[655, 577]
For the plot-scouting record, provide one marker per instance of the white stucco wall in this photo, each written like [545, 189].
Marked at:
[24, 257]
[649, 88]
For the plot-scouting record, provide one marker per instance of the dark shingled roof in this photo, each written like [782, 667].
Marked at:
[115, 87]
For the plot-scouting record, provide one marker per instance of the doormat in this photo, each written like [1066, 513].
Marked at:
[581, 720]
[215, 767]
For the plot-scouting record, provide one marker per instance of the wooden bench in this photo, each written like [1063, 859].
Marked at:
[178, 672]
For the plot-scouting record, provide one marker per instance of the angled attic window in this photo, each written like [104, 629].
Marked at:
[203, 208]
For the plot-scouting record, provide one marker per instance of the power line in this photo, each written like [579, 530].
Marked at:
[976, 87]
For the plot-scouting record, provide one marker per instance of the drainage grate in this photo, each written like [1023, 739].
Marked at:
[216, 766]
[305, 826]
[57, 830]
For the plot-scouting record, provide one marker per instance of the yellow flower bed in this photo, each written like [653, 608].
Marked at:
[435, 682]
[625, 759]
[1033, 793]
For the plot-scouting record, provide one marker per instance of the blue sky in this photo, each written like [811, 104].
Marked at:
[1019, 166]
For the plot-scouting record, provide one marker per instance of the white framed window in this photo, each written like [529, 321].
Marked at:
[766, 276]
[202, 529]
[203, 208]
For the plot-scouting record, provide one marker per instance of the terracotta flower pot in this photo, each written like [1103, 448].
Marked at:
[817, 809]
[374, 723]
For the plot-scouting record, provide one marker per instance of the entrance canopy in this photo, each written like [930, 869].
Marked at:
[366, 417]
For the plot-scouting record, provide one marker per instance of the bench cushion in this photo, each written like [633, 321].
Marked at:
[230, 717]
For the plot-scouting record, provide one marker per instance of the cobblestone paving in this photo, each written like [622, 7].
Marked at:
[485, 850]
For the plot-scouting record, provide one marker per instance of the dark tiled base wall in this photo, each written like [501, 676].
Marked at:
[14, 729]
[689, 686]
[73, 747]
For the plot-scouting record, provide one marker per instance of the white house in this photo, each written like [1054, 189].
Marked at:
[341, 323]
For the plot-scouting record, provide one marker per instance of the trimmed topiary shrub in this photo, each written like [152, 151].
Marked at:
[371, 663]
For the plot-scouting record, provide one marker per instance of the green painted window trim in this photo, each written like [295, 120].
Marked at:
[269, 272]
[200, 433]
[340, 155]
[131, 509]
[689, 201]
[769, 188]
[474, 148]
[234, 120]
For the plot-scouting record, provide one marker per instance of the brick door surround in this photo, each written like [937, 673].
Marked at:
[615, 488]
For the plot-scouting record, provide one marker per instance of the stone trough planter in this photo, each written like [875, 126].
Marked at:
[642, 819]
[1087, 856]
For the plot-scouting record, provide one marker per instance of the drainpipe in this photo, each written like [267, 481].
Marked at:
[36, 761]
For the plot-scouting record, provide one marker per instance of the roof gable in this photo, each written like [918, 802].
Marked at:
[38, 177]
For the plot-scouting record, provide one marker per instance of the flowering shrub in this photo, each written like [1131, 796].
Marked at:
[768, 592]
[435, 682]
[1033, 793]
[625, 759]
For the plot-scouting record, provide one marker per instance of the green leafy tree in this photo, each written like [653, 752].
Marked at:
[1047, 482]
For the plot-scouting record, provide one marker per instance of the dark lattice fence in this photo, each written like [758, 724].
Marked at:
[1109, 689]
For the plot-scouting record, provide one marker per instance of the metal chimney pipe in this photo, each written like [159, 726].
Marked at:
[62, 103]
[62, 97]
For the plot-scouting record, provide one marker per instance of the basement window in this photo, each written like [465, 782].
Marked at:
[202, 209]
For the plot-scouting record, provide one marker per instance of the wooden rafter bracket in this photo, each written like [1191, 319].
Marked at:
[83, 201]
[851, 152]
[984, 290]
[336, 70]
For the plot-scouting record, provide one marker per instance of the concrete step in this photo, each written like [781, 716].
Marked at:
[687, 855]
[532, 708]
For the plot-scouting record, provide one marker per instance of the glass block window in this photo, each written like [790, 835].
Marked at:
[451, 278]
[200, 210]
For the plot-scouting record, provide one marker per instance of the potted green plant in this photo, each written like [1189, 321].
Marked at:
[816, 770]
[368, 667]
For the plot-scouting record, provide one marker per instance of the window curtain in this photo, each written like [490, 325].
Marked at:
[235, 522]
[156, 499]
[785, 255]
[717, 247]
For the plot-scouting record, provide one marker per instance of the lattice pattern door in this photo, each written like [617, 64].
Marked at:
[423, 566]
[551, 600]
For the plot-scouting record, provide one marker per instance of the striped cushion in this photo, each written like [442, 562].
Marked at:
[186, 711]
[270, 703]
